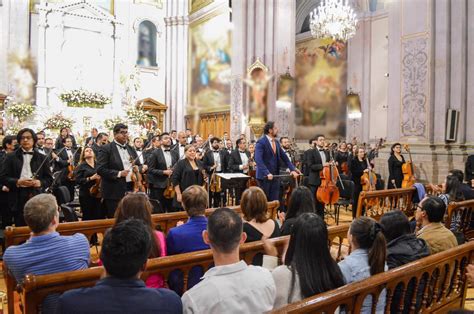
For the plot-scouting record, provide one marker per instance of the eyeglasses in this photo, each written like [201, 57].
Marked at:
[418, 206]
[26, 138]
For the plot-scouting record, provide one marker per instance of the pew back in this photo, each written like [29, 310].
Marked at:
[443, 286]
[376, 203]
[18, 235]
[459, 217]
[36, 288]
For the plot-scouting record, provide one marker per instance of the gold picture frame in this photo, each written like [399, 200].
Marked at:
[196, 5]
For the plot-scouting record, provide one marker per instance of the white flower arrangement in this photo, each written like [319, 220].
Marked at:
[58, 121]
[111, 122]
[13, 130]
[81, 98]
[139, 116]
[21, 111]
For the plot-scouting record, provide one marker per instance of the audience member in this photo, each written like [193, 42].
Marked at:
[301, 202]
[257, 223]
[188, 236]
[403, 247]
[429, 215]
[138, 206]
[231, 286]
[308, 254]
[367, 257]
[125, 251]
[464, 188]
[46, 252]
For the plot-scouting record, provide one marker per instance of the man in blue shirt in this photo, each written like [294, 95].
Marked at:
[188, 236]
[46, 252]
[124, 254]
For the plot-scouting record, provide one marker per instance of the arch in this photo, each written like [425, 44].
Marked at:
[303, 8]
[146, 55]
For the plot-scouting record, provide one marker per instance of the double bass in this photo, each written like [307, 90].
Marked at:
[328, 192]
[408, 171]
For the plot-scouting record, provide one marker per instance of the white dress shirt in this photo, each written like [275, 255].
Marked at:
[181, 151]
[140, 156]
[125, 156]
[26, 172]
[245, 161]
[235, 288]
[69, 153]
[217, 160]
[41, 150]
[322, 154]
[168, 158]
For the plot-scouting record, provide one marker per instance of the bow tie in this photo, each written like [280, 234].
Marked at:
[241, 152]
[215, 151]
[182, 145]
[68, 149]
[27, 153]
[321, 150]
[121, 146]
[167, 150]
[138, 150]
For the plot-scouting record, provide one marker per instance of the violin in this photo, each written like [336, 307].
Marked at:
[328, 192]
[252, 173]
[408, 171]
[368, 179]
[95, 189]
[169, 191]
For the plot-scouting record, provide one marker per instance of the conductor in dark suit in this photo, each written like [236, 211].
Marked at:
[160, 165]
[268, 156]
[214, 162]
[315, 159]
[114, 165]
[24, 174]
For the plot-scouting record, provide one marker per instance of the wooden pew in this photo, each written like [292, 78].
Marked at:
[464, 210]
[444, 292]
[17, 235]
[376, 203]
[36, 288]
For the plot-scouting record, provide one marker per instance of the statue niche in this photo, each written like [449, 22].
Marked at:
[147, 44]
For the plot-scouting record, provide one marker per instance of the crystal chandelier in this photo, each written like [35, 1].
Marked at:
[333, 18]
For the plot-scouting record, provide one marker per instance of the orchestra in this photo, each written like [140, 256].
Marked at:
[101, 171]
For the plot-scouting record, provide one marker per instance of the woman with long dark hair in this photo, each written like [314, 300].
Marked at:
[308, 268]
[368, 257]
[452, 193]
[86, 177]
[357, 167]
[137, 206]
[301, 201]
[395, 163]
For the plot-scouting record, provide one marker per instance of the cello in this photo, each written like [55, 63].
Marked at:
[408, 171]
[369, 183]
[328, 192]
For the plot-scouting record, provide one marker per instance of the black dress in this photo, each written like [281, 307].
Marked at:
[395, 172]
[255, 235]
[184, 175]
[90, 205]
[357, 170]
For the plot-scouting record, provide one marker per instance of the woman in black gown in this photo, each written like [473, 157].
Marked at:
[357, 167]
[188, 171]
[395, 163]
[86, 177]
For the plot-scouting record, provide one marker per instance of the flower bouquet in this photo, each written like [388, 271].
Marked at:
[58, 121]
[21, 111]
[139, 116]
[82, 99]
[111, 122]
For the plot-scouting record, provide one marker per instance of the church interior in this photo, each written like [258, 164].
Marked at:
[363, 104]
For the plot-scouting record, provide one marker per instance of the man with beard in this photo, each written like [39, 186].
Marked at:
[214, 163]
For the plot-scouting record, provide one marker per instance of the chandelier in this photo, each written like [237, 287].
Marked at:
[333, 18]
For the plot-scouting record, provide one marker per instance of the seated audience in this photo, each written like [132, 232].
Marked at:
[308, 254]
[452, 193]
[301, 202]
[403, 247]
[465, 189]
[188, 237]
[367, 257]
[429, 215]
[46, 252]
[138, 206]
[231, 286]
[257, 223]
[124, 253]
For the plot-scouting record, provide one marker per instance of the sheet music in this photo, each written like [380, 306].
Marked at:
[228, 176]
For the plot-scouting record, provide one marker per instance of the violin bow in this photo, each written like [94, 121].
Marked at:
[35, 174]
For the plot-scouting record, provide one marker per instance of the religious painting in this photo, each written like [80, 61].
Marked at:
[147, 44]
[196, 5]
[257, 80]
[353, 105]
[321, 72]
[286, 89]
[210, 64]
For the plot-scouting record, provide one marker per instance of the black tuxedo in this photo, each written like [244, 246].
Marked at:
[313, 167]
[235, 161]
[59, 142]
[176, 148]
[157, 180]
[109, 164]
[10, 171]
[208, 162]
[62, 165]
[469, 169]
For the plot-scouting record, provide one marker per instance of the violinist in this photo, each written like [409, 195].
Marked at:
[138, 146]
[24, 174]
[213, 162]
[65, 162]
[239, 162]
[358, 167]
[395, 163]
[160, 164]
[286, 183]
[114, 165]
[188, 171]
[341, 159]
[101, 140]
[86, 177]
[315, 159]
[8, 145]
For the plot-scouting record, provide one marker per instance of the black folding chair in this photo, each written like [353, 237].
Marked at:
[346, 195]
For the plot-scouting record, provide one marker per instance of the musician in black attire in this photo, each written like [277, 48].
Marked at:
[341, 157]
[67, 157]
[154, 144]
[213, 161]
[8, 145]
[187, 171]
[358, 167]
[160, 164]
[63, 134]
[114, 165]
[315, 159]
[21, 173]
[86, 177]
[286, 182]
[101, 140]
[239, 162]
[469, 170]
[395, 163]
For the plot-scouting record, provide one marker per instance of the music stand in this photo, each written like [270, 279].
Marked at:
[232, 181]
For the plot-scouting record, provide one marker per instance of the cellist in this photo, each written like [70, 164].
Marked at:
[315, 159]
[358, 167]
[395, 163]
